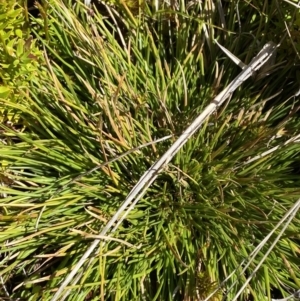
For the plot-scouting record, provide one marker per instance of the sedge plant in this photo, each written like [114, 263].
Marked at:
[112, 94]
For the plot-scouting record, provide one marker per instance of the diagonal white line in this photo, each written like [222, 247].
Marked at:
[235, 59]
[149, 177]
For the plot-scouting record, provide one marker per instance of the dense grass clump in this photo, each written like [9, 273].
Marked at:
[112, 92]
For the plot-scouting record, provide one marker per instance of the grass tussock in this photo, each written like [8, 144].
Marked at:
[113, 91]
